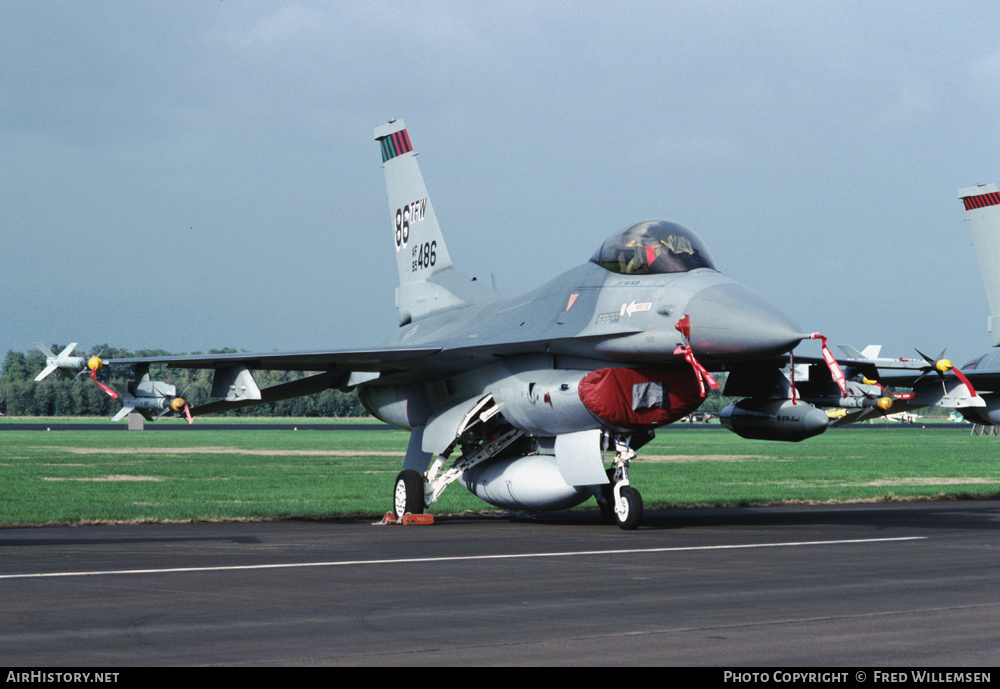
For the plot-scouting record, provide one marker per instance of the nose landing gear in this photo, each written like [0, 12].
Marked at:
[620, 503]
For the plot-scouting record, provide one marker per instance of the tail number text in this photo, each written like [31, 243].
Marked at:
[424, 255]
[410, 213]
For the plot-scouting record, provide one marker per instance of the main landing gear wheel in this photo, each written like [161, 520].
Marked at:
[631, 516]
[408, 495]
[606, 500]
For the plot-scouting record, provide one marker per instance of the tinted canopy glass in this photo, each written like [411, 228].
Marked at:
[654, 246]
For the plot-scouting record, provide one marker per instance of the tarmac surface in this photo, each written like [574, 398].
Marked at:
[902, 584]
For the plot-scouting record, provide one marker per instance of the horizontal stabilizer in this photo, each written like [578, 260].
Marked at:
[850, 352]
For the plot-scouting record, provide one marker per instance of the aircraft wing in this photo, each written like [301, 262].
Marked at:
[234, 384]
[866, 383]
[455, 355]
[983, 381]
[373, 360]
[931, 381]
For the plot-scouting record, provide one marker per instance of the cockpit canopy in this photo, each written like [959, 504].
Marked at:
[652, 247]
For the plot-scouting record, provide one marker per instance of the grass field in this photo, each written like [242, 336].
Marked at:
[69, 477]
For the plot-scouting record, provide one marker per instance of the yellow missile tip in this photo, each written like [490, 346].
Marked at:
[177, 404]
[95, 363]
[944, 365]
[885, 403]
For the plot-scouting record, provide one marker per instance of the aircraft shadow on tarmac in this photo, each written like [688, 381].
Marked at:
[957, 514]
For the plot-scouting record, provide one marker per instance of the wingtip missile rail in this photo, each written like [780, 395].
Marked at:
[69, 364]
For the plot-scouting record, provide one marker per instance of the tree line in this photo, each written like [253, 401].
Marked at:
[57, 395]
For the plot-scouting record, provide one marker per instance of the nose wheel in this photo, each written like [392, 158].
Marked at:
[628, 511]
[620, 503]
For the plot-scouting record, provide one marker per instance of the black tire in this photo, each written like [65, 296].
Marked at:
[606, 499]
[633, 509]
[408, 494]
[606, 504]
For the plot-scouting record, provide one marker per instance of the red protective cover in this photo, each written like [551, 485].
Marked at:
[607, 393]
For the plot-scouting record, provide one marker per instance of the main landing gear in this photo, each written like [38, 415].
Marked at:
[408, 495]
[413, 492]
[482, 434]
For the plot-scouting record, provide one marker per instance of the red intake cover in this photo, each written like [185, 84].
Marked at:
[626, 397]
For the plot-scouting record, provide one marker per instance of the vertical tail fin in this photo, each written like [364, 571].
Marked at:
[420, 249]
[982, 207]
[427, 282]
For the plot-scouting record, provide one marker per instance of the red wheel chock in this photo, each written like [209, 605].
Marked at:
[407, 520]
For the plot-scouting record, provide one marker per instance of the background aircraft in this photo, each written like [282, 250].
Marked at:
[971, 390]
[525, 400]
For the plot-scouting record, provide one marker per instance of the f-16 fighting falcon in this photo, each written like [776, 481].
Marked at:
[538, 402]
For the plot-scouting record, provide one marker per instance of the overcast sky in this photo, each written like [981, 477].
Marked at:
[196, 175]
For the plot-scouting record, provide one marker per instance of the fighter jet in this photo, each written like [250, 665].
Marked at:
[536, 402]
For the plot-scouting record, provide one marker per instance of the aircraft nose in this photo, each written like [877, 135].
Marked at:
[730, 321]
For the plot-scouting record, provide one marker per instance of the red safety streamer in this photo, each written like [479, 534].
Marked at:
[700, 372]
[791, 370]
[831, 363]
[961, 377]
[683, 326]
[93, 377]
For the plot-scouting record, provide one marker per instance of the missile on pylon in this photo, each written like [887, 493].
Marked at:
[147, 396]
[146, 404]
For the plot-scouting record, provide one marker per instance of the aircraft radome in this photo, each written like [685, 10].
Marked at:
[539, 402]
